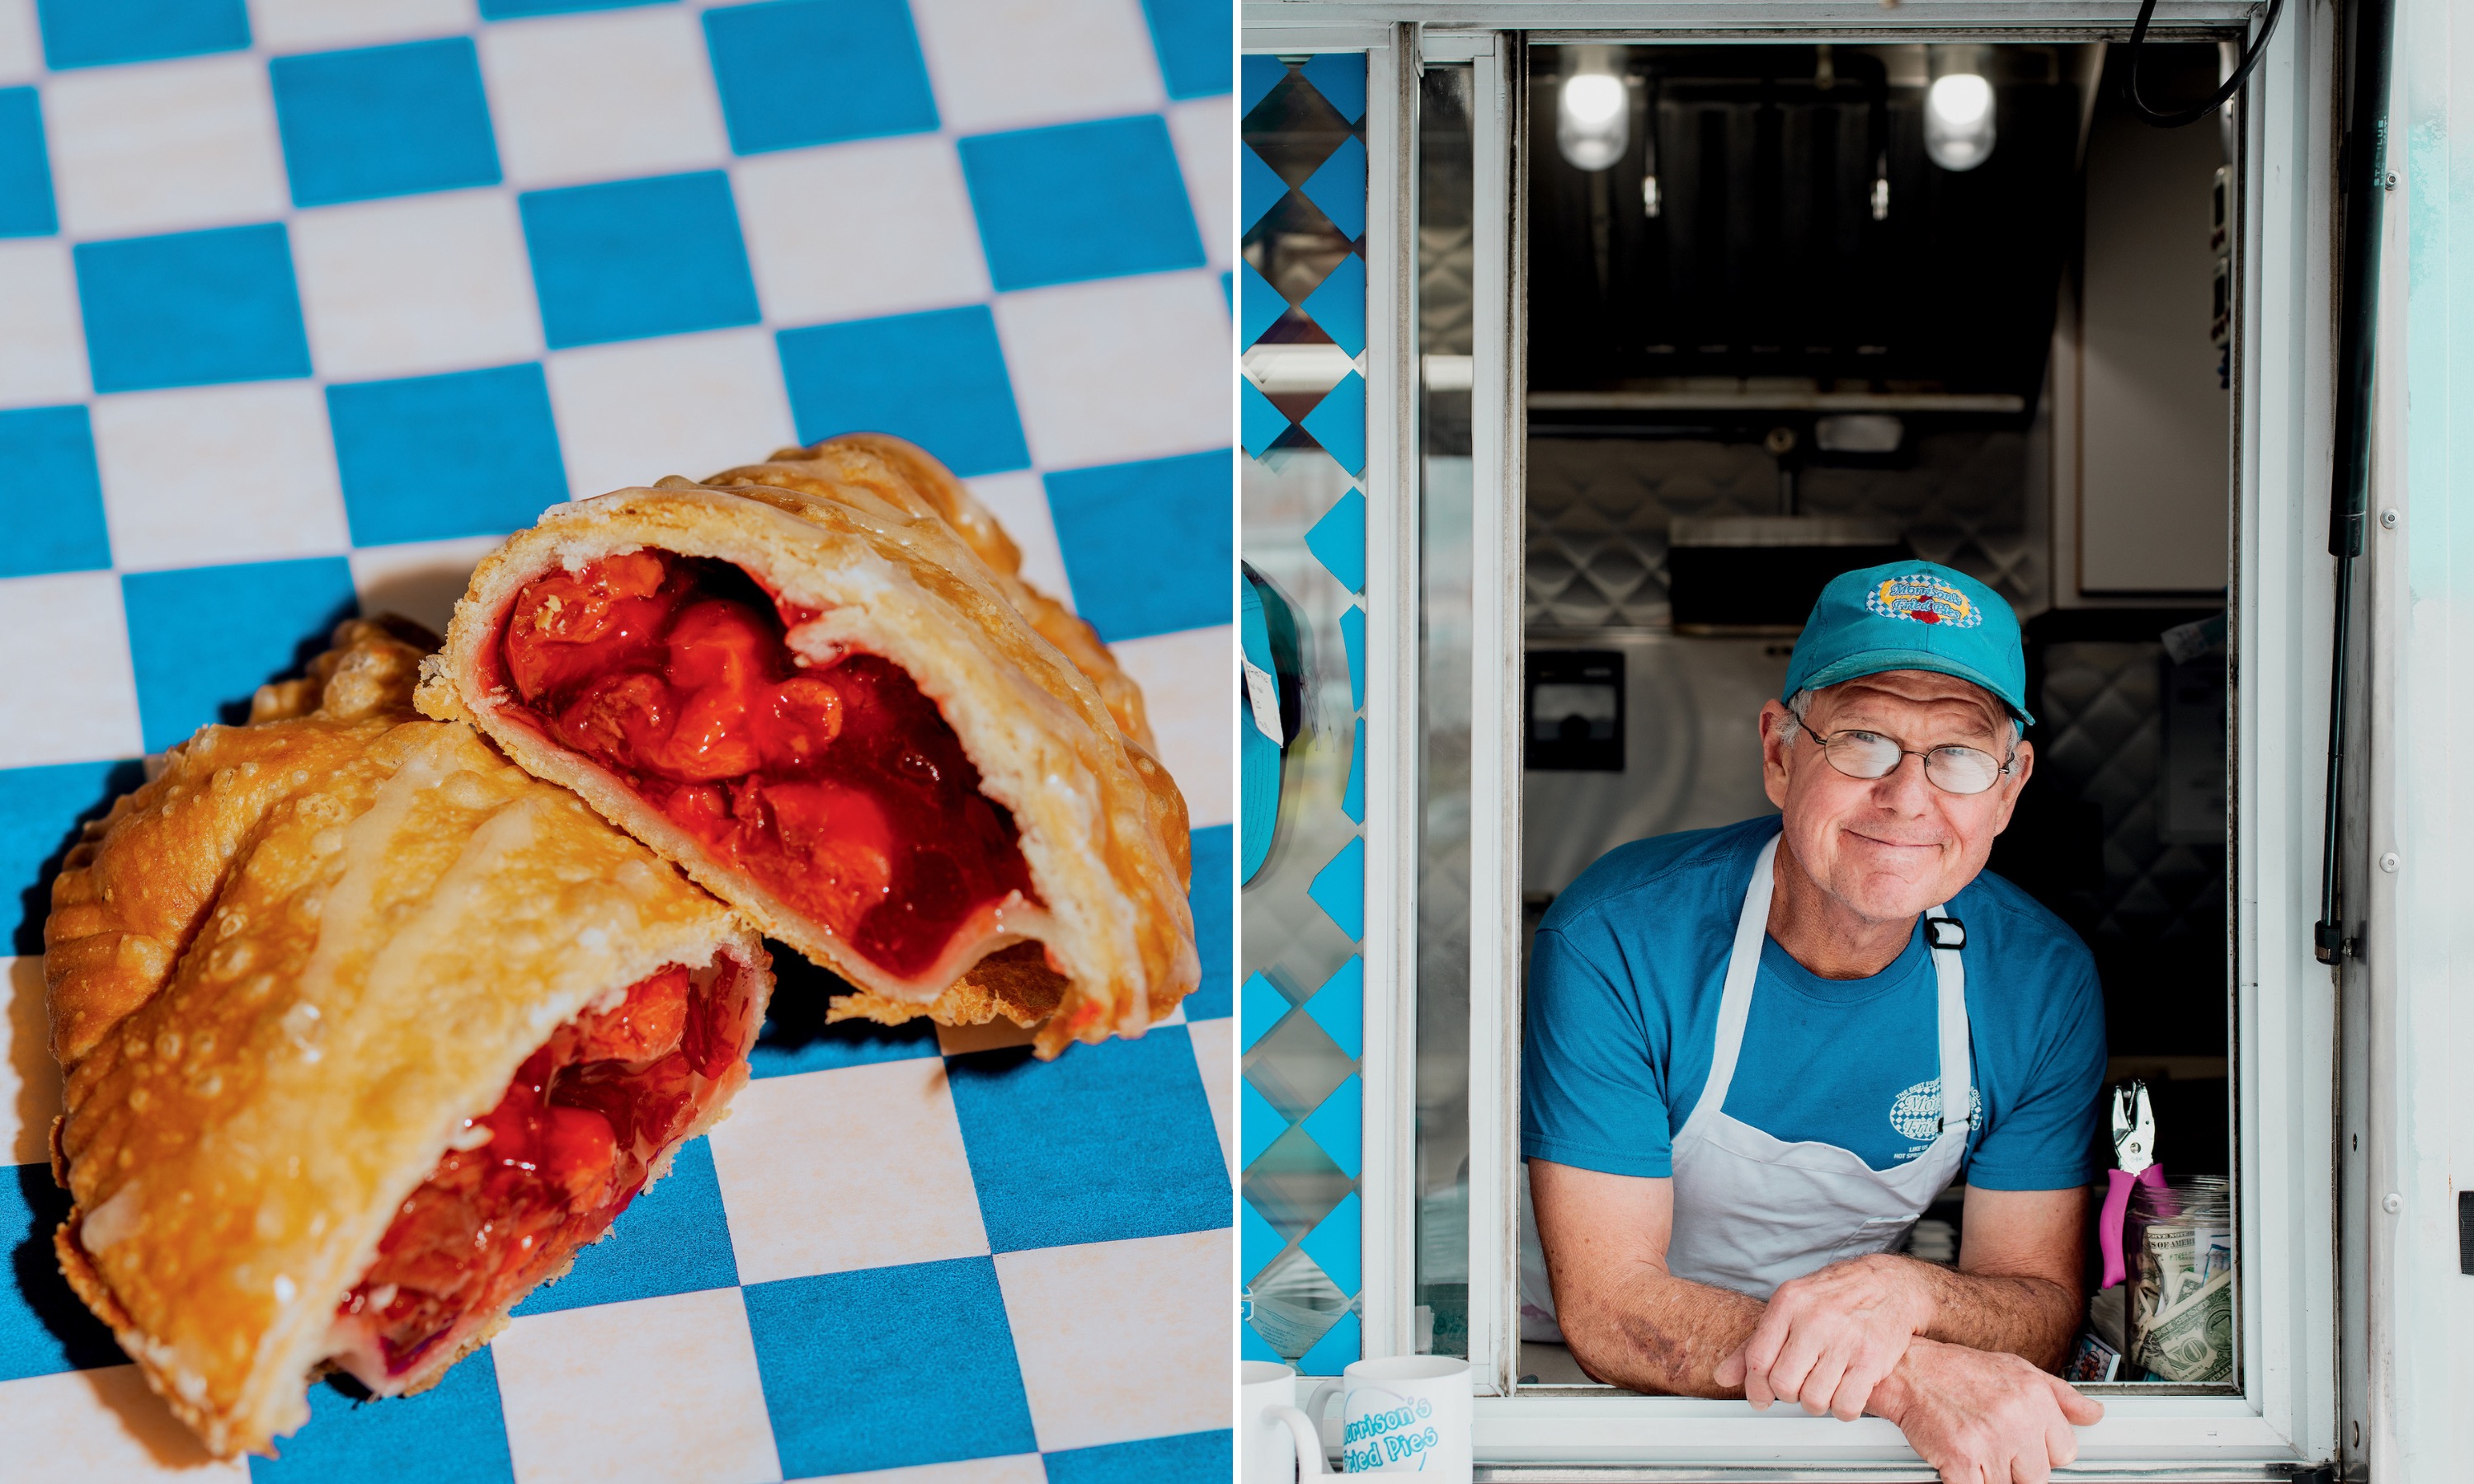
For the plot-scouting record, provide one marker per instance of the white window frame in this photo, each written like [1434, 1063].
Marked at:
[2284, 1012]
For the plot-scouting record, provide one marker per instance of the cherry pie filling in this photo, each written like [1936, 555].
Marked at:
[545, 1172]
[837, 785]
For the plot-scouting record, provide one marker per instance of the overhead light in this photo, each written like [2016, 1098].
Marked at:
[1858, 433]
[1592, 111]
[1958, 108]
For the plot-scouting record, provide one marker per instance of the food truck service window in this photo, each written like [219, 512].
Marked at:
[1659, 325]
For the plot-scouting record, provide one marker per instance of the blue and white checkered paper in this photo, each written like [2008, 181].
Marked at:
[304, 303]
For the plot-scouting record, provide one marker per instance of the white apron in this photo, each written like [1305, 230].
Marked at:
[1752, 1211]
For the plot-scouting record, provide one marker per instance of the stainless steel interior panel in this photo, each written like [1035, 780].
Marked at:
[1693, 756]
[1598, 511]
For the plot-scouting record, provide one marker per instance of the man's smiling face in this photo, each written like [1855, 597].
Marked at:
[1888, 848]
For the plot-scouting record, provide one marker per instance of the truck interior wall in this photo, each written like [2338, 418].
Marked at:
[2150, 383]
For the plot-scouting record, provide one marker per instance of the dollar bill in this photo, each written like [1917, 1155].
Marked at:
[2193, 1341]
[2182, 1303]
[2164, 1272]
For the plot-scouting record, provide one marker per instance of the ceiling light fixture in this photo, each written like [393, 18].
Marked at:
[1592, 113]
[1958, 108]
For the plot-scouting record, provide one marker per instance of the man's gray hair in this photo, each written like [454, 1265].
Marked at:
[1799, 705]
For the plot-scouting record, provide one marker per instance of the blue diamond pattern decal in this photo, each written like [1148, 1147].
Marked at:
[1336, 1127]
[1259, 423]
[1259, 305]
[1338, 1007]
[1339, 188]
[1258, 1123]
[1337, 1348]
[1258, 1241]
[1260, 1007]
[1295, 181]
[1334, 1245]
[1259, 188]
[1338, 304]
[1340, 78]
[1338, 540]
[1340, 889]
[1256, 77]
[1338, 422]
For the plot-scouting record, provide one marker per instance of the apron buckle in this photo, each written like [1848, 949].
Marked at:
[1946, 932]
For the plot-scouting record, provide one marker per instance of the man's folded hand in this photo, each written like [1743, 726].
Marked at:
[1830, 1337]
[1984, 1418]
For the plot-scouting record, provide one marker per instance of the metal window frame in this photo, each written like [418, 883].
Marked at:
[1386, 1184]
[2285, 1031]
[1498, 447]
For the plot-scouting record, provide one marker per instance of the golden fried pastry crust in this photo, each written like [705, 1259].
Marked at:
[867, 460]
[894, 558]
[281, 976]
[1015, 983]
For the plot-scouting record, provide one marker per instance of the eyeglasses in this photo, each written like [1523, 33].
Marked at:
[1869, 755]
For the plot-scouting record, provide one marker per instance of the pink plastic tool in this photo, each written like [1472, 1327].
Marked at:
[2134, 1149]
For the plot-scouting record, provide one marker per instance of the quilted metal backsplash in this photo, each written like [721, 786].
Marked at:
[2098, 727]
[1600, 508]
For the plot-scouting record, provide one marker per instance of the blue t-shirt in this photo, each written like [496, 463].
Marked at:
[1622, 1016]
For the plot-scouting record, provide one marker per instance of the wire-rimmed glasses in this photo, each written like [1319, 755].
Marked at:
[1869, 755]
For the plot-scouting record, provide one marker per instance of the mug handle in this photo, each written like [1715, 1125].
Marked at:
[1323, 1392]
[1306, 1438]
[1316, 1400]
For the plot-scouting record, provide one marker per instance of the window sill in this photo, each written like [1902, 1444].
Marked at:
[1574, 1437]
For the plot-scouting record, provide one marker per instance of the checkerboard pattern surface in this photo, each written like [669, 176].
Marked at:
[304, 304]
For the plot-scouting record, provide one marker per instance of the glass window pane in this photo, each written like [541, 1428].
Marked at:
[1445, 262]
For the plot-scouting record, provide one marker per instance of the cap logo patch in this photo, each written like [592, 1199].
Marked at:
[1924, 600]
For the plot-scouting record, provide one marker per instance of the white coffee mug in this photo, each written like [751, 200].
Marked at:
[1403, 1414]
[1276, 1442]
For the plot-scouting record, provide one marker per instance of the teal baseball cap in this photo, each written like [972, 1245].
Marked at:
[1911, 616]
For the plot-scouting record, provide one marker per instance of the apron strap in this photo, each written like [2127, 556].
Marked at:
[1736, 1001]
[1948, 936]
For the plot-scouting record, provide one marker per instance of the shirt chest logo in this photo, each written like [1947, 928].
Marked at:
[1916, 1113]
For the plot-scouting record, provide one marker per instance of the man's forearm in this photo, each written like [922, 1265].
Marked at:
[2034, 1318]
[1663, 1334]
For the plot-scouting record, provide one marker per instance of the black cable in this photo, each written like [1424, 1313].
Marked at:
[2177, 117]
